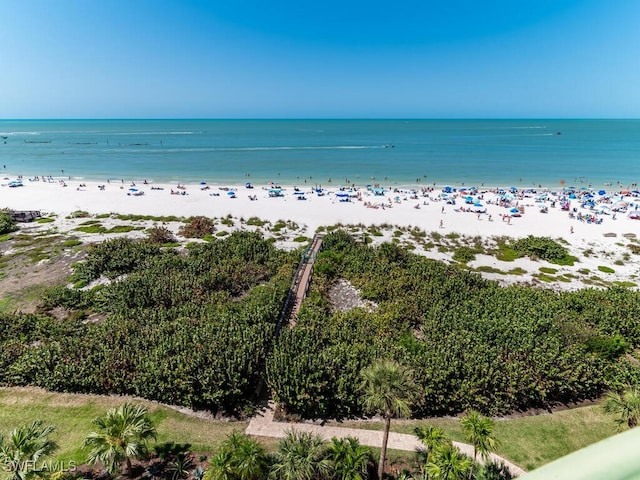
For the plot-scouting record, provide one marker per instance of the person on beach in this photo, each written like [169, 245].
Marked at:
[441, 224]
[571, 229]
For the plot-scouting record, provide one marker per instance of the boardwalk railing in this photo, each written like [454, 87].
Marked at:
[300, 283]
[297, 291]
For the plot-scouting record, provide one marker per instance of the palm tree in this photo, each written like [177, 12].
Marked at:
[240, 458]
[389, 390]
[350, 460]
[494, 471]
[624, 406]
[25, 446]
[181, 467]
[478, 430]
[300, 456]
[432, 438]
[447, 463]
[122, 435]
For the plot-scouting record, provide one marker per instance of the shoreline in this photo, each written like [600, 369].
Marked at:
[389, 182]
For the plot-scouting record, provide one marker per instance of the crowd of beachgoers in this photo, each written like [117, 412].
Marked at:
[600, 222]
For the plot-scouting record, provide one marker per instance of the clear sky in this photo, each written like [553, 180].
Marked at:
[319, 59]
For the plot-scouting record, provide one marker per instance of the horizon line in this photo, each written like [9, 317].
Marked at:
[310, 118]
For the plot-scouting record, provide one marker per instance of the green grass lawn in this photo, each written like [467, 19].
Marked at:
[526, 441]
[72, 415]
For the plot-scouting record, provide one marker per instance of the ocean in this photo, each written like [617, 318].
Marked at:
[521, 153]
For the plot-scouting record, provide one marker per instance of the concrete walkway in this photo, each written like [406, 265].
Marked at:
[263, 425]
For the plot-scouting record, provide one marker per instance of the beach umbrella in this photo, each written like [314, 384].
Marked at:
[133, 189]
[447, 189]
[203, 183]
[601, 192]
[231, 194]
[514, 210]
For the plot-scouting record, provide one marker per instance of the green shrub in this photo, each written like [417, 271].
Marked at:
[540, 247]
[608, 348]
[506, 254]
[256, 222]
[605, 269]
[464, 254]
[197, 227]
[160, 235]
[91, 229]
[7, 225]
[72, 242]
[79, 214]
[551, 271]
[113, 258]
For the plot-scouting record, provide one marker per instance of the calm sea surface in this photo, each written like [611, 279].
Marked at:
[474, 152]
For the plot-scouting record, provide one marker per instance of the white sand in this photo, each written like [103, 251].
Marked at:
[315, 211]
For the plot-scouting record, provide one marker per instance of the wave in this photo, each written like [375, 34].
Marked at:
[522, 128]
[12, 134]
[316, 147]
[149, 133]
[155, 148]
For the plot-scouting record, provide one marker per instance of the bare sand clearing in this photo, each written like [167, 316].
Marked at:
[596, 245]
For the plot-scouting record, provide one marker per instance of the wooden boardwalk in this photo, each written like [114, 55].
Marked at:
[300, 283]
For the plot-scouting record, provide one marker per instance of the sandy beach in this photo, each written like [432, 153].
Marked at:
[601, 242]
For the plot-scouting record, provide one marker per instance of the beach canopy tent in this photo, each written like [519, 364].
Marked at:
[478, 208]
[447, 189]
[378, 191]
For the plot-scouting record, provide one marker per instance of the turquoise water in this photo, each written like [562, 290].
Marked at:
[489, 152]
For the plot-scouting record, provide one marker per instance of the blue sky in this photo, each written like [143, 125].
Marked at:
[329, 59]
